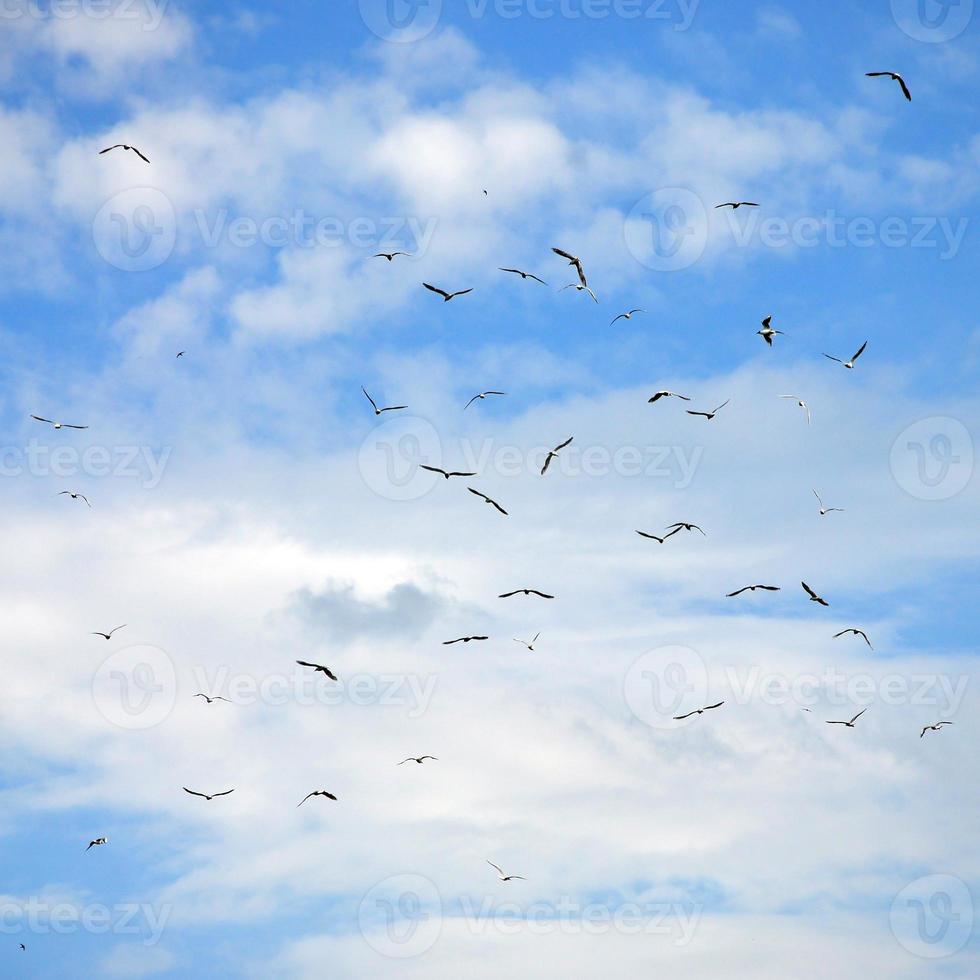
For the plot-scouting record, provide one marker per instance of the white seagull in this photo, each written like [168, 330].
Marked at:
[802, 404]
[504, 877]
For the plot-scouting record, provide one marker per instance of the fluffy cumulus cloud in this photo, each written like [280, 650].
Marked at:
[249, 510]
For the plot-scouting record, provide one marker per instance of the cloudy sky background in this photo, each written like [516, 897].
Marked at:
[249, 510]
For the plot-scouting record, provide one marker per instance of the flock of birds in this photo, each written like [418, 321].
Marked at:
[768, 334]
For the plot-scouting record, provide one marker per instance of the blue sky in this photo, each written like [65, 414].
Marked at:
[248, 509]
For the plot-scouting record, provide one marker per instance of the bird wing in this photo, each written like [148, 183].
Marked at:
[507, 595]
[544, 595]
[470, 402]
[565, 444]
[547, 463]
[227, 792]
[565, 255]
[433, 469]
[837, 359]
[38, 417]
[860, 352]
[652, 537]
[435, 289]
[494, 503]
[305, 798]
[905, 88]
[711, 707]
[492, 865]
[858, 715]
[202, 795]
[139, 154]
[449, 643]
[536, 279]
[731, 595]
[809, 591]
[684, 717]
[65, 425]
[477, 493]
[369, 398]
[462, 292]
[720, 407]
[622, 316]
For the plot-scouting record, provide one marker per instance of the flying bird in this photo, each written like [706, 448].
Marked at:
[321, 792]
[813, 595]
[525, 275]
[124, 146]
[390, 256]
[824, 511]
[554, 454]
[108, 635]
[486, 499]
[75, 496]
[935, 728]
[502, 876]
[213, 699]
[204, 796]
[848, 364]
[753, 588]
[380, 411]
[700, 711]
[735, 205]
[572, 260]
[446, 296]
[709, 415]
[319, 669]
[682, 526]
[667, 394]
[856, 632]
[482, 397]
[542, 595]
[895, 77]
[530, 645]
[441, 472]
[802, 404]
[627, 316]
[180, 354]
[419, 759]
[465, 639]
[653, 537]
[848, 724]
[58, 425]
[576, 286]
[768, 331]
[98, 842]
